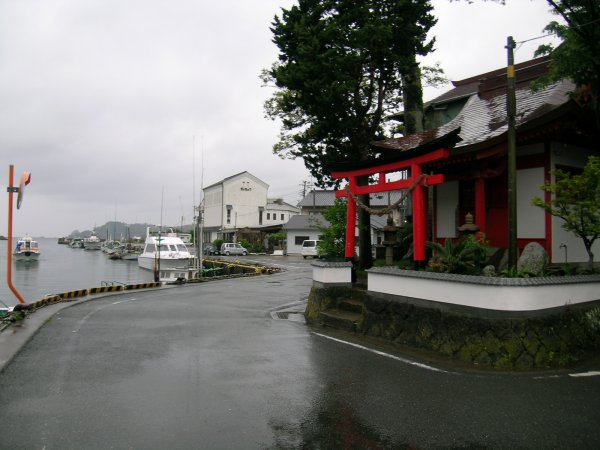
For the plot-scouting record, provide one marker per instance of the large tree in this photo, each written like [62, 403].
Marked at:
[578, 56]
[339, 74]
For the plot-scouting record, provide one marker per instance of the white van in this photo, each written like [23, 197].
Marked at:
[309, 248]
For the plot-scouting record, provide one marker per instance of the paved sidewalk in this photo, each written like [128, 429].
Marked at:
[14, 337]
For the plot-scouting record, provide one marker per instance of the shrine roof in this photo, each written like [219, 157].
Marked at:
[483, 118]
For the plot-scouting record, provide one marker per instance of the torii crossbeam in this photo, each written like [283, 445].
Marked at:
[417, 181]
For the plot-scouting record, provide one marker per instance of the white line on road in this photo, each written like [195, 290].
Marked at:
[591, 373]
[377, 352]
[91, 313]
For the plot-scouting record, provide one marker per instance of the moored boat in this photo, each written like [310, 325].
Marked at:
[128, 252]
[27, 249]
[76, 243]
[92, 242]
[164, 250]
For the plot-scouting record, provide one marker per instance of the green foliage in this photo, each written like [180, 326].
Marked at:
[576, 200]
[252, 247]
[276, 237]
[562, 270]
[578, 56]
[466, 256]
[333, 237]
[217, 243]
[339, 74]
[593, 319]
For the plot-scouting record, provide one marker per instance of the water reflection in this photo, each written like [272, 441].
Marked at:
[331, 425]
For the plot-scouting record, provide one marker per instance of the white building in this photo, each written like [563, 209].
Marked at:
[239, 202]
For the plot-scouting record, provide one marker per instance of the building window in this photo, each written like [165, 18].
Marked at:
[300, 239]
[228, 216]
[282, 217]
[268, 216]
[260, 214]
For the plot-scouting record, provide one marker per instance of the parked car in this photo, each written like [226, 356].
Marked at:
[309, 248]
[230, 248]
[210, 249]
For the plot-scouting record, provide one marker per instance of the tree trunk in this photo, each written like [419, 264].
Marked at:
[412, 94]
[588, 249]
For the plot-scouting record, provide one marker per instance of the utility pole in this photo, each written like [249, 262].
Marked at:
[305, 186]
[511, 109]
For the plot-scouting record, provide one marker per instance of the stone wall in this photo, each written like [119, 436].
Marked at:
[556, 338]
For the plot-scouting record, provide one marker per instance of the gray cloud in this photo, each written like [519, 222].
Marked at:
[101, 101]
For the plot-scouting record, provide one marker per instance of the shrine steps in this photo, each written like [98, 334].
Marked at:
[346, 314]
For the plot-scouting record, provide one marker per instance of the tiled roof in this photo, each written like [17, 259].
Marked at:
[318, 199]
[483, 118]
[305, 222]
[324, 199]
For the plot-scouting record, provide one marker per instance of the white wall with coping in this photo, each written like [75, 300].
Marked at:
[501, 294]
[332, 273]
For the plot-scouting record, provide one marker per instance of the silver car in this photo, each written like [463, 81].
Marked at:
[233, 249]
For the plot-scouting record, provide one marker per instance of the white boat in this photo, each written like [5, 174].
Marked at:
[27, 249]
[76, 243]
[92, 243]
[164, 250]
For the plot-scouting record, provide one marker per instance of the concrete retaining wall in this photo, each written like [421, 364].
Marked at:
[329, 273]
[494, 323]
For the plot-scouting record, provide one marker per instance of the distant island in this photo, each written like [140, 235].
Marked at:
[2, 238]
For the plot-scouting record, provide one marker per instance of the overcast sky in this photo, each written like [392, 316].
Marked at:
[120, 108]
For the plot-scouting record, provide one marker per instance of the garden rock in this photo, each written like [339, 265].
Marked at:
[533, 260]
[489, 271]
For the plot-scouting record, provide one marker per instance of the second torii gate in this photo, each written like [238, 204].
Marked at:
[416, 181]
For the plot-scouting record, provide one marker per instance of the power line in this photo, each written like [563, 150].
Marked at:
[554, 34]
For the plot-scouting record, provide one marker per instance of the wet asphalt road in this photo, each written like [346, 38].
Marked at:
[209, 367]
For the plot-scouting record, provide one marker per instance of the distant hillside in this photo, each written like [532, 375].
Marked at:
[120, 230]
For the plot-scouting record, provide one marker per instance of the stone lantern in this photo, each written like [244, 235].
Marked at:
[468, 227]
[390, 241]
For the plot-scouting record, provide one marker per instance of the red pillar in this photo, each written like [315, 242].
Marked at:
[350, 222]
[419, 218]
[480, 204]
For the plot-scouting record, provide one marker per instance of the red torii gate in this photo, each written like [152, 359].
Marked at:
[417, 178]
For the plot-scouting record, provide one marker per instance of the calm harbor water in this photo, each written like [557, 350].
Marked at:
[61, 269]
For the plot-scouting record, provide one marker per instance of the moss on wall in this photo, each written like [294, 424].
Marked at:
[551, 341]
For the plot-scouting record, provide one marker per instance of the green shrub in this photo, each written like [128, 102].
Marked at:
[466, 256]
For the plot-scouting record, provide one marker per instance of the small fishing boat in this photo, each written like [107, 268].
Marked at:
[110, 246]
[27, 249]
[92, 242]
[76, 243]
[128, 252]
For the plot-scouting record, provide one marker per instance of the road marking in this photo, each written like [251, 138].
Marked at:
[591, 373]
[380, 353]
[91, 313]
